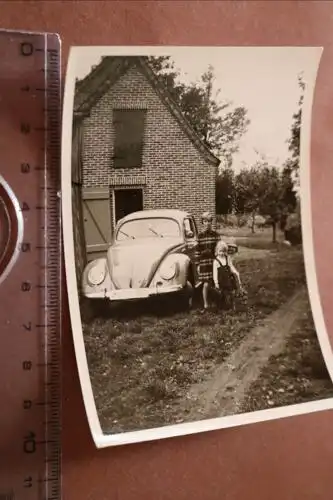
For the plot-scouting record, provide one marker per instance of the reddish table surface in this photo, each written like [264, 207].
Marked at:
[284, 459]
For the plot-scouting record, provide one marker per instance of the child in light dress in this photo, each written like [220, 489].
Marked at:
[226, 277]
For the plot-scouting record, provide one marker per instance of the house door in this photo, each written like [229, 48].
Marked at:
[127, 201]
[97, 221]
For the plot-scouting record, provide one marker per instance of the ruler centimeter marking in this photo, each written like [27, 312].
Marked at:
[32, 467]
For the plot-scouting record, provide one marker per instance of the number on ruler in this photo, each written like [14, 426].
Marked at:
[26, 49]
[27, 404]
[25, 168]
[29, 443]
[25, 286]
[27, 483]
[25, 207]
[25, 247]
[27, 365]
[27, 326]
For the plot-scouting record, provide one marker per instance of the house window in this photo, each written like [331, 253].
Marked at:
[129, 134]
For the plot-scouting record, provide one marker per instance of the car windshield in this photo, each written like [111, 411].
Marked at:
[149, 228]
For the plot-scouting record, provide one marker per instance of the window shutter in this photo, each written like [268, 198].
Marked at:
[129, 134]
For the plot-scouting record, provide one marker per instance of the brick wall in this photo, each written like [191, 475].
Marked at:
[175, 172]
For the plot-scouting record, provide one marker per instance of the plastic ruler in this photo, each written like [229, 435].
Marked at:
[30, 266]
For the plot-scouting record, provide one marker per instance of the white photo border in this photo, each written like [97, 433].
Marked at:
[102, 440]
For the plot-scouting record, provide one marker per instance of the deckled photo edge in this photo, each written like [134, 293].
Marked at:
[306, 219]
[102, 440]
[68, 237]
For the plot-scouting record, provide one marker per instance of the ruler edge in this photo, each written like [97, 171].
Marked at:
[60, 276]
[31, 33]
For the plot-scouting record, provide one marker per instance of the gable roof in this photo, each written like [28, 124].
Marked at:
[103, 76]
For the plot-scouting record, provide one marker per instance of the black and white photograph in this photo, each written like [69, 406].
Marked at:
[188, 238]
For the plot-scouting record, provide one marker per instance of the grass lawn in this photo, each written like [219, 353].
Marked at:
[261, 239]
[142, 364]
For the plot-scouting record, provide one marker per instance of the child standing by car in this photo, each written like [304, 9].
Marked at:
[225, 275]
[207, 240]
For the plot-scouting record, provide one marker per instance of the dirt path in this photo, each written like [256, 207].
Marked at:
[224, 392]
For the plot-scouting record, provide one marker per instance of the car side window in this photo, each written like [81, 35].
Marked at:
[189, 228]
[195, 228]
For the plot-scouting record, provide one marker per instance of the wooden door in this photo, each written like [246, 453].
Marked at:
[97, 221]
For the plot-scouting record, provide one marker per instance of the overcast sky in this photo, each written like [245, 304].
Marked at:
[264, 80]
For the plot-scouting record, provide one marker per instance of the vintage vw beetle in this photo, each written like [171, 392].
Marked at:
[152, 254]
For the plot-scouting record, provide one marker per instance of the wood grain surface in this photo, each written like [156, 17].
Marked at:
[289, 459]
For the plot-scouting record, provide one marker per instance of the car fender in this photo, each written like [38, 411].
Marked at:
[184, 267]
[106, 283]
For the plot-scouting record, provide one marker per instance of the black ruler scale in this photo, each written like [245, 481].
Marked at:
[30, 285]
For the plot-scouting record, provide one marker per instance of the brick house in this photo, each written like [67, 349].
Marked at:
[132, 150]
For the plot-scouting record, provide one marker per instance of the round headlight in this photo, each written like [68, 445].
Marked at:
[96, 275]
[168, 269]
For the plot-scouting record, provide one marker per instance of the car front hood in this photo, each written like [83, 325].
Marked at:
[133, 264]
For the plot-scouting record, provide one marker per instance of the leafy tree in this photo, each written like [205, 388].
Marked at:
[265, 190]
[219, 126]
[291, 220]
[272, 203]
[249, 191]
[293, 163]
[164, 68]
[288, 195]
[225, 191]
